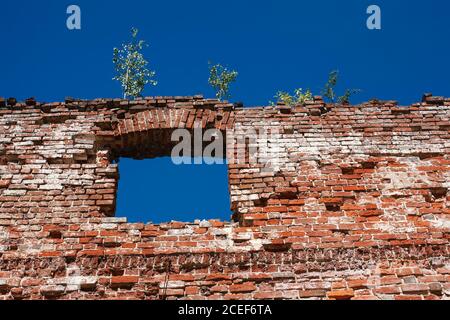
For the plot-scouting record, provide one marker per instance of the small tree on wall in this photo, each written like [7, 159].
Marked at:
[220, 79]
[329, 93]
[131, 67]
[328, 90]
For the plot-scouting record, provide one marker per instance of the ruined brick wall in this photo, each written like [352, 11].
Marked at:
[357, 208]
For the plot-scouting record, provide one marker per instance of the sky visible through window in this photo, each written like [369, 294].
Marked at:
[157, 190]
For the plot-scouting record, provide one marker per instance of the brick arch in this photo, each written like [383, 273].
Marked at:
[147, 134]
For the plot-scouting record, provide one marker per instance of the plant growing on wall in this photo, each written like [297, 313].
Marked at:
[220, 79]
[298, 98]
[131, 67]
[329, 92]
[348, 93]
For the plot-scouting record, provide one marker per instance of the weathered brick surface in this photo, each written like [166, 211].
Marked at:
[357, 208]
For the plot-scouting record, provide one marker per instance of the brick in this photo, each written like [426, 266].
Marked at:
[312, 293]
[408, 297]
[408, 271]
[435, 287]
[267, 295]
[218, 277]
[219, 288]
[172, 292]
[50, 254]
[245, 287]
[357, 284]
[340, 294]
[415, 288]
[52, 290]
[190, 291]
[4, 183]
[124, 281]
[388, 290]
[92, 252]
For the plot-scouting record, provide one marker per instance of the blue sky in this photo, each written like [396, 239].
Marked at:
[273, 44]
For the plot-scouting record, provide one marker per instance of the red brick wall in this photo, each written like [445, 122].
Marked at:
[357, 208]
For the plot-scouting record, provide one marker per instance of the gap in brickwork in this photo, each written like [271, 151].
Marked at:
[157, 190]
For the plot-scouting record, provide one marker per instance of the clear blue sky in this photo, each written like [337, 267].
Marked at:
[273, 44]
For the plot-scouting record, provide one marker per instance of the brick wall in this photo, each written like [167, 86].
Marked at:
[357, 207]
